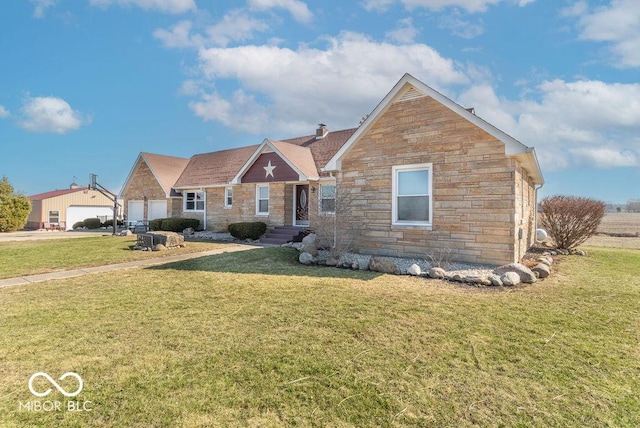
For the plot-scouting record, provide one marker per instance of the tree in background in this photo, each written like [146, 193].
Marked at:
[14, 208]
[571, 220]
[633, 206]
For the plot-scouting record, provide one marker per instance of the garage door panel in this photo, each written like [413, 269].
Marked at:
[135, 211]
[157, 209]
[79, 213]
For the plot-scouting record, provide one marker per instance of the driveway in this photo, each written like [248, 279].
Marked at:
[30, 235]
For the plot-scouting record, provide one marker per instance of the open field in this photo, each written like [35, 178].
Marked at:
[620, 223]
[617, 224]
[41, 256]
[256, 339]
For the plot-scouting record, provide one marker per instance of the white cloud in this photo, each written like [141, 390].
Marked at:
[4, 112]
[460, 27]
[166, 6]
[471, 6]
[235, 26]
[178, 37]
[579, 8]
[296, 8]
[336, 85]
[41, 6]
[404, 33]
[617, 24]
[569, 123]
[51, 114]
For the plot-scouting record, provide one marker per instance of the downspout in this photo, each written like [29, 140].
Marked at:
[205, 209]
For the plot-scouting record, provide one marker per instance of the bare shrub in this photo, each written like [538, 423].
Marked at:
[441, 258]
[571, 220]
[336, 231]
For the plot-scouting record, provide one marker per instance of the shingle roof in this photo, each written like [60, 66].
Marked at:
[54, 193]
[323, 149]
[216, 168]
[167, 169]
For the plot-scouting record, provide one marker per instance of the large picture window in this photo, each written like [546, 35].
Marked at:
[262, 200]
[412, 195]
[194, 201]
[328, 198]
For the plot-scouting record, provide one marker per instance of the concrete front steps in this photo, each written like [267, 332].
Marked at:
[282, 234]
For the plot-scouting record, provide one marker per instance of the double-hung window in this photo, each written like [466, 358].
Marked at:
[194, 201]
[328, 199]
[54, 217]
[262, 199]
[228, 197]
[412, 199]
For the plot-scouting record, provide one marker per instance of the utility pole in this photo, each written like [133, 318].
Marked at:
[94, 185]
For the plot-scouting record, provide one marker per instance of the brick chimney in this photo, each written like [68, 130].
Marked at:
[321, 131]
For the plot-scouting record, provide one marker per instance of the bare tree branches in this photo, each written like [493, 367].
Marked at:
[571, 220]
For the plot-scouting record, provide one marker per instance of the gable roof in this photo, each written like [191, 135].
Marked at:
[409, 86]
[214, 169]
[299, 158]
[165, 169]
[54, 193]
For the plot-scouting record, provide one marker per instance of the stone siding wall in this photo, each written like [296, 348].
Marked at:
[143, 184]
[474, 193]
[244, 206]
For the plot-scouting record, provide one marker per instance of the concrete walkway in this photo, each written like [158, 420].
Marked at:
[30, 279]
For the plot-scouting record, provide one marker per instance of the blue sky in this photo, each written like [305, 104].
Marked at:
[88, 84]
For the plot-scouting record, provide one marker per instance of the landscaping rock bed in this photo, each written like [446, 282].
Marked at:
[473, 274]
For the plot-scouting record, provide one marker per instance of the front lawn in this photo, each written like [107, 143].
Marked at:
[39, 256]
[255, 339]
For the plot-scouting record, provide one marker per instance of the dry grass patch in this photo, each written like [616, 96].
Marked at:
[255, 339]
[40, 256]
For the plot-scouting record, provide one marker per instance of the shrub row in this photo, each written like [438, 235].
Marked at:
[249, 230]
[94, 223]
[174, 224]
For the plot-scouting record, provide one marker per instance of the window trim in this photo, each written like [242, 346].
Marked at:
[228, 196]
[320, 199]
[396, 169]
[185, 199]
[258, 212]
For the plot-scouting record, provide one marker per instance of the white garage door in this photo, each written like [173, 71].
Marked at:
[135, 211]
[157, 209]
[79, 213]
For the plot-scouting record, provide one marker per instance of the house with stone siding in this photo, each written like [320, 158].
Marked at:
[420, 176]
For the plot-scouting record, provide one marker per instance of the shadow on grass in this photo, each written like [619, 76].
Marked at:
[265, 261]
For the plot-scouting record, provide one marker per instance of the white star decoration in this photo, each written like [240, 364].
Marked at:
[269, 170]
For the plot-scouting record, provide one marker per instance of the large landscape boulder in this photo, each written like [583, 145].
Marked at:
[525, 274]
[436, 272]
[306, 258]
[542, 270]
[414, 270]
[168, 239]
[310, 244]
[510, 278]
[384, 265]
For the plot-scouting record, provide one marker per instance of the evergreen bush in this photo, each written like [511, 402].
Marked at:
[247, 230]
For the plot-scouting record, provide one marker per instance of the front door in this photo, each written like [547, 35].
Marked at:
[302, 205]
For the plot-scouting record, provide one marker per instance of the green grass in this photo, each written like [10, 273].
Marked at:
[255, 339]
[40, 256]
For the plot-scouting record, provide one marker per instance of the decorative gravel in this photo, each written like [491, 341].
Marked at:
[464, 269]
[214, 236]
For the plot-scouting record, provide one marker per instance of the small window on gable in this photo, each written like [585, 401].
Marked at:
[262, 200]
[228, 197]
[328, 199]
[194, 201]
[412, 200]
[54, 217]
